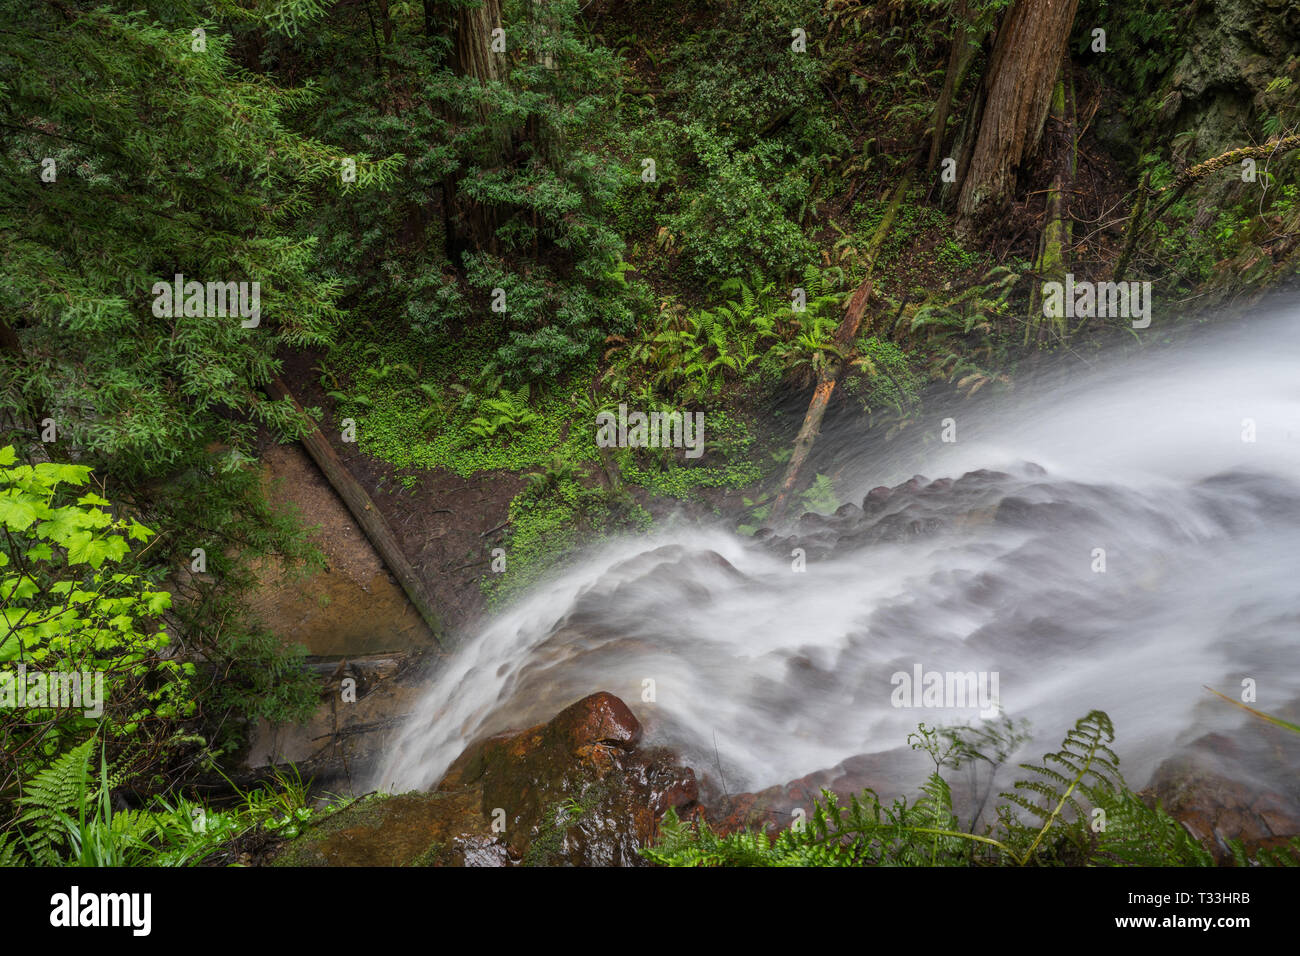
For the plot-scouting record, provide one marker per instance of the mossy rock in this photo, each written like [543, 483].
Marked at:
[410, 829]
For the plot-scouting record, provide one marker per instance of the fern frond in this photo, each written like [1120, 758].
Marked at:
[1133, 834]
[47, 798]
[1091, 769]
[9, 853]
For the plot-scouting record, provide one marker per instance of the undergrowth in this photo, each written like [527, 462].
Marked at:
[1072, 808]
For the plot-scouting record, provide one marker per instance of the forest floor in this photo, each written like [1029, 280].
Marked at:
[445, 524]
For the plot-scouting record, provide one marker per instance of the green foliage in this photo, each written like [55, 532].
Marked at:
[1146, 35]
[819, 497]
[66, 607]
[557, 472]
[1136, 834]
[812, 350]
[1043, 821]
[203, 194]
[506, 414]
[519, 169]
[551, 249]
[189, 163]
[692, 354]
[968, 333]
[729, 462]
[459, 426]
[738, 73]
[545, 850]
[912, 220]
[59, 787]
[881, 376]
[742, 211]
[67, 818]
[550, 520]
[1085, 766]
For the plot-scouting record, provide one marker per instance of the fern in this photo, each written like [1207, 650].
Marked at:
[9, 855]
[1072, 808]
[1133, 834]
[68, 819]
[1288, 855]
[1084, 766]
[104, 838]
[47, 798]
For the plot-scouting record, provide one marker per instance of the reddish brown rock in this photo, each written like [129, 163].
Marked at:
[599, 719]
[1214, 798]
[573, 791]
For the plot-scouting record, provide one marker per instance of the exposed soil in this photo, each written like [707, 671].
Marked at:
[446, 525]
[353, 606]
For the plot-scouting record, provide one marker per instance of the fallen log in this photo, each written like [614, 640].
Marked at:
[372, 523]
[829, 373]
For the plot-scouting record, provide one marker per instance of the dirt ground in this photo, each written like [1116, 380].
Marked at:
[351, 607]
[446, 525]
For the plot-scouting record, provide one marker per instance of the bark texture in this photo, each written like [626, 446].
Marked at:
[1018, 93]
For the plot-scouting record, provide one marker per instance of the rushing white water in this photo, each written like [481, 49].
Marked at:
[766, 673]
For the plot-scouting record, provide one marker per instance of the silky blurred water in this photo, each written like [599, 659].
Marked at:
[767, 673]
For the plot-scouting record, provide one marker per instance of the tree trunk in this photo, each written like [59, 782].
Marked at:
[1058, 230]
[467, 224]
[473, 43]
[9, 339]
[959, 57]
[1017, 95]
[827, 378]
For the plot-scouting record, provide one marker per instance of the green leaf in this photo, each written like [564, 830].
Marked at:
[37, 552]
[17, 513]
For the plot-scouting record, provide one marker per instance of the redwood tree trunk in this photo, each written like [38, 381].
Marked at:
[470, 225]
[473, 47]
[1017, 94]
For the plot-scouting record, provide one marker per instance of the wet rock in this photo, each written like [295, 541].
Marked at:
[777, 807]
[811, 521]
[875, 499]
[572, 791]
[1018, 512]
[980, 478]
[346, 736]
[409, 829]
[1221, 791]
[913, 509]
[599, 719]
